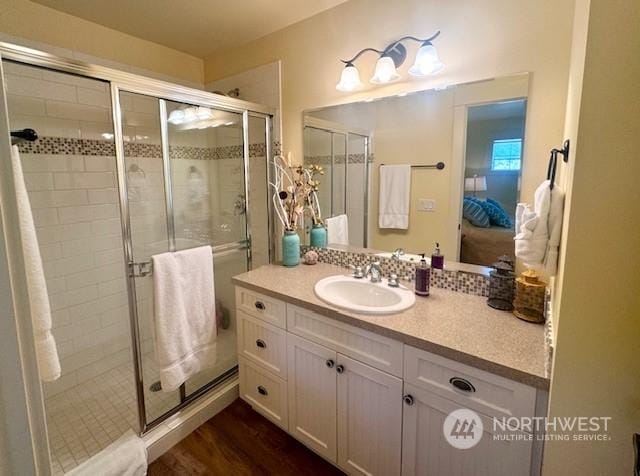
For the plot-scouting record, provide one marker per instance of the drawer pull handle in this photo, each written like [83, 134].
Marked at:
[330, 363]
[262, 344]
[462, 384]
[260, 305]
[262, 390]
[340, 369]
[408, 399]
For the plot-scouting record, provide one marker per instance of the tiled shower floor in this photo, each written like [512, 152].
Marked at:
[84, 419]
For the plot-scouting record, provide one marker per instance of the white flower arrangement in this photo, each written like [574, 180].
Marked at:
[295, 192]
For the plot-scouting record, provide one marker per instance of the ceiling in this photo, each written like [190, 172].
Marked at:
[197, 27]
[499, 110]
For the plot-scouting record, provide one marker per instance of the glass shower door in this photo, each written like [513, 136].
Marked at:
[185, 179]
[207, 183]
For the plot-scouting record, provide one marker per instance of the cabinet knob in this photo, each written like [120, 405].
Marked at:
[330, 363]
[262, 344]
[340, 369]
[408, 399]
[262, 390]
[462, 384]
[260, 305]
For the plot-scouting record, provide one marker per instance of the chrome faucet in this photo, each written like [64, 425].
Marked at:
[375, 271]
[397, 253]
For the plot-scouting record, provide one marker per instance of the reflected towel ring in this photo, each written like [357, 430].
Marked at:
[194, 170]
[136, 169]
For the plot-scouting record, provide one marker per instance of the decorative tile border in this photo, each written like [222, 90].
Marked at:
[95, 147]
[459, 281]
[338, 159]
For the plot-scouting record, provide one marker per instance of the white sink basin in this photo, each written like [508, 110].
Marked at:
[363, 296]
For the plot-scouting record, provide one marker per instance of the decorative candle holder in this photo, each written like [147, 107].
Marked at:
[501, 286]
[530, 296]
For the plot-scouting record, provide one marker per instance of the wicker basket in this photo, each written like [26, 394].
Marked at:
[529, 301]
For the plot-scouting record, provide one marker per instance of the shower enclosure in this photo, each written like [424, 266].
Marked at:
[126, 167]
[344, 153]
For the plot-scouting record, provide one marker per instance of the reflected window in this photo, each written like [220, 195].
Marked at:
[506, 154]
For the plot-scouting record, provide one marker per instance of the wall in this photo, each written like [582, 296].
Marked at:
[596, 361]
[483, 39]
[33, 25]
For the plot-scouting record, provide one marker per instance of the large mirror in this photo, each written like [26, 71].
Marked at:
[415, 169]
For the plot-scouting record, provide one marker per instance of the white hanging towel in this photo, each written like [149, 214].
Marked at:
[395, 191]
[127, 456]
[184, 314]
[532, 227]
[338, 230]
[556, 212]
[46, 350]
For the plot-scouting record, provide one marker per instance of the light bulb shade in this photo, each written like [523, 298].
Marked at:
[176, 117]
[427, 62]
[385, 71]
[349, 79]
[204, 113]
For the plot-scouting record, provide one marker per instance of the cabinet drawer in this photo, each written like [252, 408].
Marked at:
[488, 393]
[377, 351]
[263, 307]
[263, 343]
[265, 392]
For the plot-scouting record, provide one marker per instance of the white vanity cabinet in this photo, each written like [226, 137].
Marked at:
[370, 404]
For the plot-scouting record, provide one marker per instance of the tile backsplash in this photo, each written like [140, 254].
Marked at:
[460, 281]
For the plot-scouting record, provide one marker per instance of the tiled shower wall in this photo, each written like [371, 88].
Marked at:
[72, 188]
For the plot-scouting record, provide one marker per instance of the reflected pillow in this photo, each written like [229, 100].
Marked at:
[473, 211]
[497, 215]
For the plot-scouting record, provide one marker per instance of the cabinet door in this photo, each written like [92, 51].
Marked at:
[312, 395]
[425, 451]
[369, 419]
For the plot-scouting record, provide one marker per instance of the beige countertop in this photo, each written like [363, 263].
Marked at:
[455, 325]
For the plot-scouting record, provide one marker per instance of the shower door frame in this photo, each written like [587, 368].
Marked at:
[162, 90]
[334, 128]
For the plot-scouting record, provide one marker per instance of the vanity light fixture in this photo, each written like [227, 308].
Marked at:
[427, 62]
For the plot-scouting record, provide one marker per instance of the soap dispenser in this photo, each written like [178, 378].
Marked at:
[423, 273]
[437, 258]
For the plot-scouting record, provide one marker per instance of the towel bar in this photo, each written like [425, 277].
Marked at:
[439, 166]
[143, 269]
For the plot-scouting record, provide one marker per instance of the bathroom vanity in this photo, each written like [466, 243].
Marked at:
[370, 393]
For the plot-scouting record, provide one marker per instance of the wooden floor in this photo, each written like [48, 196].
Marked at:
[239, 441]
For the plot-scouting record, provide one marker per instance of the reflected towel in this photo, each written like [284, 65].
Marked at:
[338, 230]
[127, 456]
[184, 314]
[395, 191]
[46, 350]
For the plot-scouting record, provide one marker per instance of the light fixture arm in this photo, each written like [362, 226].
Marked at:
[426, 41]
[360, 53]
[392, 46]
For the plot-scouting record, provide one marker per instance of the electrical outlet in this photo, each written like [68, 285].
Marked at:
[426, 205]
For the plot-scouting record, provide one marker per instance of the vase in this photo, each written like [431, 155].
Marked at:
[290, 248]
[318, 236]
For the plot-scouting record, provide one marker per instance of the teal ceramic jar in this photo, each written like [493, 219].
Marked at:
[318, 236]
[290, 248]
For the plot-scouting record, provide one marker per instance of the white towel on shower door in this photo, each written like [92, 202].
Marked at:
[394, 196]
[184, 314]
[46, 350]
